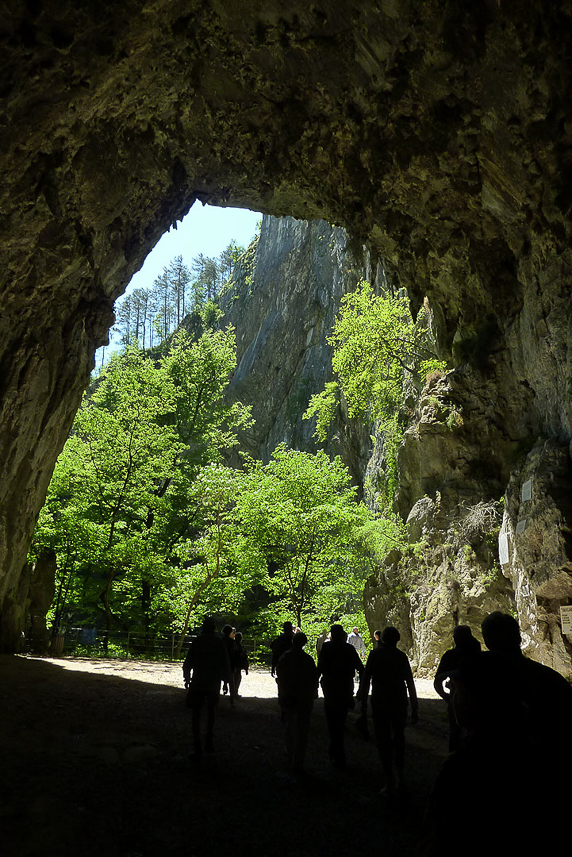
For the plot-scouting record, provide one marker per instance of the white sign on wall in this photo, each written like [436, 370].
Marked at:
[503, 549]
[521, 526]
[566, 619]
[526, 491]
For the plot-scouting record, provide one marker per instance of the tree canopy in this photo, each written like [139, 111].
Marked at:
[299, 512]
[150, 315]
[151, 527]
[123, 481]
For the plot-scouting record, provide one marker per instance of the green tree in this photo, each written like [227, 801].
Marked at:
[122, 447]
[228, 259]
[206, 276]
[120, 508]
[219, 563]
[300, 514]
[377, 346]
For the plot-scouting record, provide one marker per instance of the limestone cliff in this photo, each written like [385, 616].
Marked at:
[282, 302]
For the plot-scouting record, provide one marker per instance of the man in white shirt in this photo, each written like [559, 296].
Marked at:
[356, 640]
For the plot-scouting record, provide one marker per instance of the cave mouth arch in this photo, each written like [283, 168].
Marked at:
[394, 121]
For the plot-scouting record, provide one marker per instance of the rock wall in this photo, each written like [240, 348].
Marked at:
[537, 529]
[439, 132]
[283, 303]
[461, 475]
[455, 461]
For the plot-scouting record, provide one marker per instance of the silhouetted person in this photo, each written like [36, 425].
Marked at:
[490, 796]
[337, 665]
[465, 646]
[228, 634]
[297, 678]
[546, 695]
[389, 672]
[242, 661]
[281, 644]
[508, 770]
[205, 666]
[376, 638]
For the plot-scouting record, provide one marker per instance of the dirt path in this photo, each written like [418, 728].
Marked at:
[95, 761]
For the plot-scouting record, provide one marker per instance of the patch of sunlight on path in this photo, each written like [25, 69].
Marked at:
[258, 683]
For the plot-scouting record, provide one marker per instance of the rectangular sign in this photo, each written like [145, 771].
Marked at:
[503, 549]
[526, 492]
[566, 619]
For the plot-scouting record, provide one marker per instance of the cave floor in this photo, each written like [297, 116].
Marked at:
[95, 760]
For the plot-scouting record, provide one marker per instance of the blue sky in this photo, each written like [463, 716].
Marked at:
[206, 229]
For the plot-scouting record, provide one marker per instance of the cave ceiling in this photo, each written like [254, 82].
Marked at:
[439, 132]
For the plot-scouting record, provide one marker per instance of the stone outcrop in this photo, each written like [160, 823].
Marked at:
[537, 554]
[439, 132]
[451, 483]
[461, 474]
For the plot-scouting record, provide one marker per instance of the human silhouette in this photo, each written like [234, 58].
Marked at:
[545, 694]
[502, 787]
[228, 635]
[465, 646]
[205, 666]
[297, 678]
[389, 672]
[242, 662]
[477, 799]
[281, 644]
[337, 664]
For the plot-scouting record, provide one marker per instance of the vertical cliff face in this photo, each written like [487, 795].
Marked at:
[283, 303]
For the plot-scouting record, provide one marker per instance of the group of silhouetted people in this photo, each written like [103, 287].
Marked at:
[502, 789]
[212, 661]
[510, 721]
[387, 671]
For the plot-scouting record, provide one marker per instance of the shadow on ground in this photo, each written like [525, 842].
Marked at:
[100, 765]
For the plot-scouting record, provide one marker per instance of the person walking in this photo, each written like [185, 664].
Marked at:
[228, 635]
[205, 666]
[356, 640]
[466, 646]
[297, 678]
[389, 672]
[338, 663]
[242, 662]
[280, 645]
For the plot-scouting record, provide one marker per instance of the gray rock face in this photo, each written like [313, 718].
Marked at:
[459, 462]
[537, 526]
[283, 304]
[440, 132]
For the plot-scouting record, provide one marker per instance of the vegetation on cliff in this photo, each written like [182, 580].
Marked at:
[152, 529]
[378, 350]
